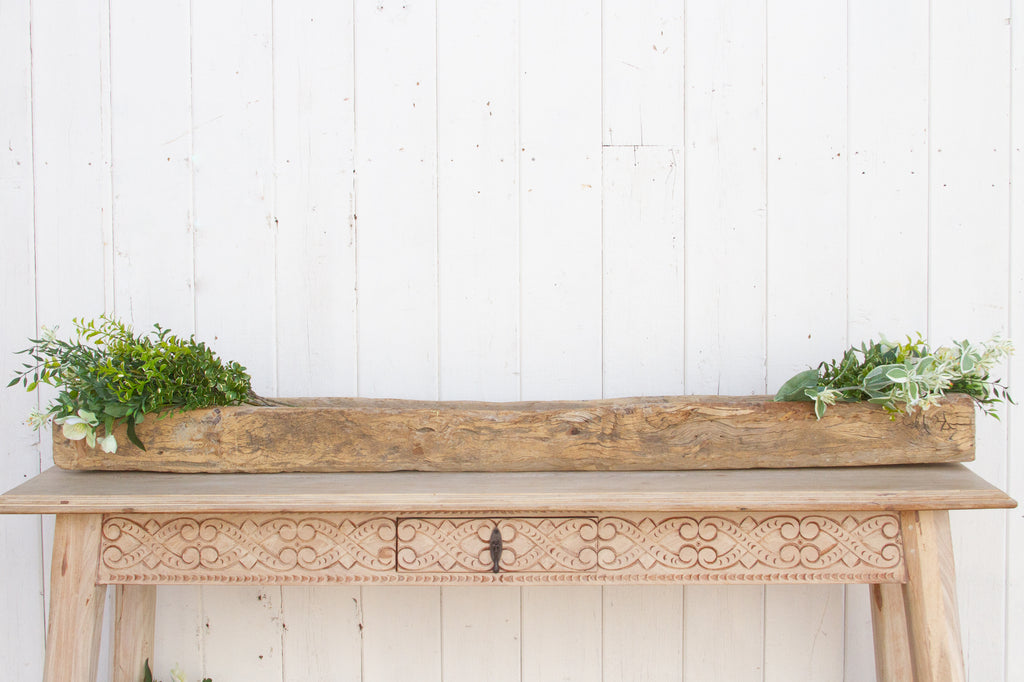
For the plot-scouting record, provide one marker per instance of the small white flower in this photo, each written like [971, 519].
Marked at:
[75, 428]
[37, 418]
[828, 396]
[48, 334]
[108, 444]
[178, 674]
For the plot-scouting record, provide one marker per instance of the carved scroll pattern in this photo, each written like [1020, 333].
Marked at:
[247, 544]
[528, 545]
[734, 542]
[626, 548]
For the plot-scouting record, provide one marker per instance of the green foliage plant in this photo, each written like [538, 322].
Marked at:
[107, 374]
[904, 376]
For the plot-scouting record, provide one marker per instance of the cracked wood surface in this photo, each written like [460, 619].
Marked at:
[623, 434]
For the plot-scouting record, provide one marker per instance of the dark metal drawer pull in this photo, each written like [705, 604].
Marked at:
[495, 545]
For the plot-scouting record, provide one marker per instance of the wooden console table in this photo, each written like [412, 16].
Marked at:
[887, 526]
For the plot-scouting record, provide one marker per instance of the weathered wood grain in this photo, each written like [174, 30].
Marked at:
[901, 487]
[933, 622]
[626, 434]
[889, 628]
[76, 601]
[134, 630]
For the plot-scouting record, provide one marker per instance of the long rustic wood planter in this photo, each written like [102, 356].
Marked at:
[626, 434]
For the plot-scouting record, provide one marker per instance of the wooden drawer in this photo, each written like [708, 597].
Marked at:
[592, 547]
[528, 545]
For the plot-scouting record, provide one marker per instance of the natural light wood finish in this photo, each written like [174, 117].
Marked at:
[908, 487]
[623, 434]
[872, 525]
[933, 622]
[607, 548]
[889, 626]
[76, 601]
[134, 626]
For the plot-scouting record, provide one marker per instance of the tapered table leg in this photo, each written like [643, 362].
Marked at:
[889, 625]
[134, 623]
[76, 601]
[933, 621]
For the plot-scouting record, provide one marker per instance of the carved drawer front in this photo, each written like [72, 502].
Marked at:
[527, 545]
[764, 547]
[258, 548]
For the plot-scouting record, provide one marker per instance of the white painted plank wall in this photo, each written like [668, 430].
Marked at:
[233, 156]
[21, 551]
[725, 253]
[887, 108]
[806, 259]
[970, 157]
[516, 200]
[314, 203]
[1014, 575]
[478, 283]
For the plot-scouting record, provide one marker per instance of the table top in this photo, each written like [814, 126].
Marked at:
[904, 487]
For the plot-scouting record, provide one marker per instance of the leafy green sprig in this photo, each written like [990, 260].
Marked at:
[107, 374]
[905, 374]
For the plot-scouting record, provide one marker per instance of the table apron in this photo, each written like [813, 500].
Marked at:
[586, 547]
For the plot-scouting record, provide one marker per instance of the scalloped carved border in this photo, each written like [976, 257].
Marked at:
[838, 547]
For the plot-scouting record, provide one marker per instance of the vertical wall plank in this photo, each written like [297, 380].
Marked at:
[643, 633]
[151, 164]
[232, 86]
[72, 207]
[807, 188]
[401, 634]
[478, 273]
[179, 639]
[806, 276]
[888, 205]
[725, 284]
[643, 304]
[803, 637]
[560, 279]
[562, 634]
[478, 200]
[481, 631]
[1015, 422]
[560, 180]
[71, 176]
[314, 146]
[643, 340]
[642, 69]
[151, 124]
[723, 633]
[242, 630]
[314, 139]
[396, 203]
[888, 157]
[726, 205]
[21, 600]
[396, 208]
[321, 640]
[71, 192]
[970, 153]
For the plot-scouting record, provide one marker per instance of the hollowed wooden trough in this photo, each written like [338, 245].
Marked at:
[626, 434]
